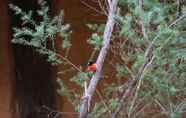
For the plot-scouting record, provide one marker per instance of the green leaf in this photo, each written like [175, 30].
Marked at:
[79, 78]
[121, 71]
[95, 40]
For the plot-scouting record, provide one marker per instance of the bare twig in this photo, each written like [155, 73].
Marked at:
[142, 109]
[106, 43]
[92, 8]
[58, 113]
[69, 62]
[144, 31]
[65, 71]
[128, 69]
[102, 7]
[63, 58]
[177, 20]
[121, 100]
[139, 85]
[105, 105]
[160, 105]
[179, 7]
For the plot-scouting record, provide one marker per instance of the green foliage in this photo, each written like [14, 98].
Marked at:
[109, 89]
[96, 28]
[138, 62]
[63, 91]
[41, 33]
[113, 103]
[121, 71]
[164, 79]
[96, 39]
[79, 78]
[98, 111]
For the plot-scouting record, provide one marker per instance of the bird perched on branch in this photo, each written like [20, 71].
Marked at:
[91, 66]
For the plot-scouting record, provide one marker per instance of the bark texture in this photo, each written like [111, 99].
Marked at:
[106, 44]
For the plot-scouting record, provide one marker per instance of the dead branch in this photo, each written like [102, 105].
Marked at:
[106, 44]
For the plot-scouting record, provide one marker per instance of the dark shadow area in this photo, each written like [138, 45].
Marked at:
[34, 84]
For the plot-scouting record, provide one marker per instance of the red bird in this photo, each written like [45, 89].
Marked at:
[91, 66]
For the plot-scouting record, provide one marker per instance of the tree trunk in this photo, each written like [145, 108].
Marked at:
[6, 61]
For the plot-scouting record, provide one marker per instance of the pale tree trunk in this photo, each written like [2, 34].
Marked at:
[106, 44]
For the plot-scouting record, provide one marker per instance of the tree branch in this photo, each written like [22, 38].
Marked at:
[106, 44]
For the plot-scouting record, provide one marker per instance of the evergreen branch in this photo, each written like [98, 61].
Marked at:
[148, 58]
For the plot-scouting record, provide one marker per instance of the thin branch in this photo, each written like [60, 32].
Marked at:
[65, 71]
[105, 105]
[55, 111]
[160, 105]
[121, 100]
[141, 100]
[179, 8]
[177, 20]
[106, 44]
[139, 85]
[69, 62]
[147, 63]
[92, 8]
[102, 7]
[131, 73]
[144, 31]
[63, 58]
[142, 109]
